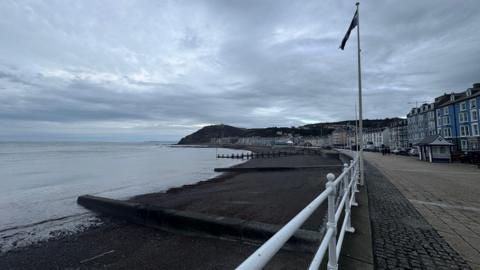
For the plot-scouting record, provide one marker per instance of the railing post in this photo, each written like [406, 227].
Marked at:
[357, 168]
[349, 192]
[332, 245]
[354, 184]
[352, 175]
[346, 178]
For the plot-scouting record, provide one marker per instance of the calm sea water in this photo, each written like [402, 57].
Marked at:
[40, 182]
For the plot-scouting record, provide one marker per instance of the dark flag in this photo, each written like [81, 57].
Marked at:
[350, 28]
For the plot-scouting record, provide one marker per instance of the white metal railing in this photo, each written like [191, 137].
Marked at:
[345, 186]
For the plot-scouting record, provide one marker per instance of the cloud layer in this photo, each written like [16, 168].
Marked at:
[146, 70]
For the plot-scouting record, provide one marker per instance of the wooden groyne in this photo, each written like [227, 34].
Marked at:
[264, 169]
[271, 154]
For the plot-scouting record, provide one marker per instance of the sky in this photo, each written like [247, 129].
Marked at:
[158, 70]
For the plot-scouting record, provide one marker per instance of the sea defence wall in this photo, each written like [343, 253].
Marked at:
[196, 223]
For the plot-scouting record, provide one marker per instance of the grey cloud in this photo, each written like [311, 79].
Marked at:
[94, 68]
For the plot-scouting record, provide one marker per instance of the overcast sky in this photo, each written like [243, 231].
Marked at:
[158, 70]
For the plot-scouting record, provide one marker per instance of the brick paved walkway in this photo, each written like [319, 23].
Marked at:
[402, 238]
[446, 194]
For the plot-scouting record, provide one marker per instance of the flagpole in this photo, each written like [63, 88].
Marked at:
[360, 124]
[356, 129]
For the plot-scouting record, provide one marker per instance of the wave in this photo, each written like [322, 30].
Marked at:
[42, 222]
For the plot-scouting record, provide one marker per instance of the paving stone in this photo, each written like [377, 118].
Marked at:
[402, 238]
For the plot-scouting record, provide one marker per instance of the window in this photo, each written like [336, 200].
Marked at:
[446, 120]
[463, 106]
[462, 117]
[474, 115]
[445, 111]
[464, 131]
[475, 131]
[464, 144]
[474, 145]
[447, 132]
[439, 112]
[473, 104]
[443, 149]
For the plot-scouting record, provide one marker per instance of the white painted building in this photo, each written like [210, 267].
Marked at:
[339, 137]
[318, 141]
[399, 134]
[254, 141]
[377, 137]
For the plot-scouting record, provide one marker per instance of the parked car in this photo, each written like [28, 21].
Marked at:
[400, 151]
[413, 152]
[369, 147]
[470, 157]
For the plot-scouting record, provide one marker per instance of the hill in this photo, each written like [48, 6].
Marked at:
[203, 135]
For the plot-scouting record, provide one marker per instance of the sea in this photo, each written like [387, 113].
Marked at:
[40, 182]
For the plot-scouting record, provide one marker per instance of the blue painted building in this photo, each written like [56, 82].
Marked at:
[467, 110]
[446, 120]
[457, 118]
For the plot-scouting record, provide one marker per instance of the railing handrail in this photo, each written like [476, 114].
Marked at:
[349, 178]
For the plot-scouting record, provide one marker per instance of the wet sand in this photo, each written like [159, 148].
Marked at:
[270, 197]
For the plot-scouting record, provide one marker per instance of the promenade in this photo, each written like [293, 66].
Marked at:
[446, 196]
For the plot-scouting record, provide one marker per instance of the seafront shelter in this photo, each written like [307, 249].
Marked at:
[435, 148]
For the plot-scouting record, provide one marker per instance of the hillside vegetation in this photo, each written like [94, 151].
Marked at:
[203, 135]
